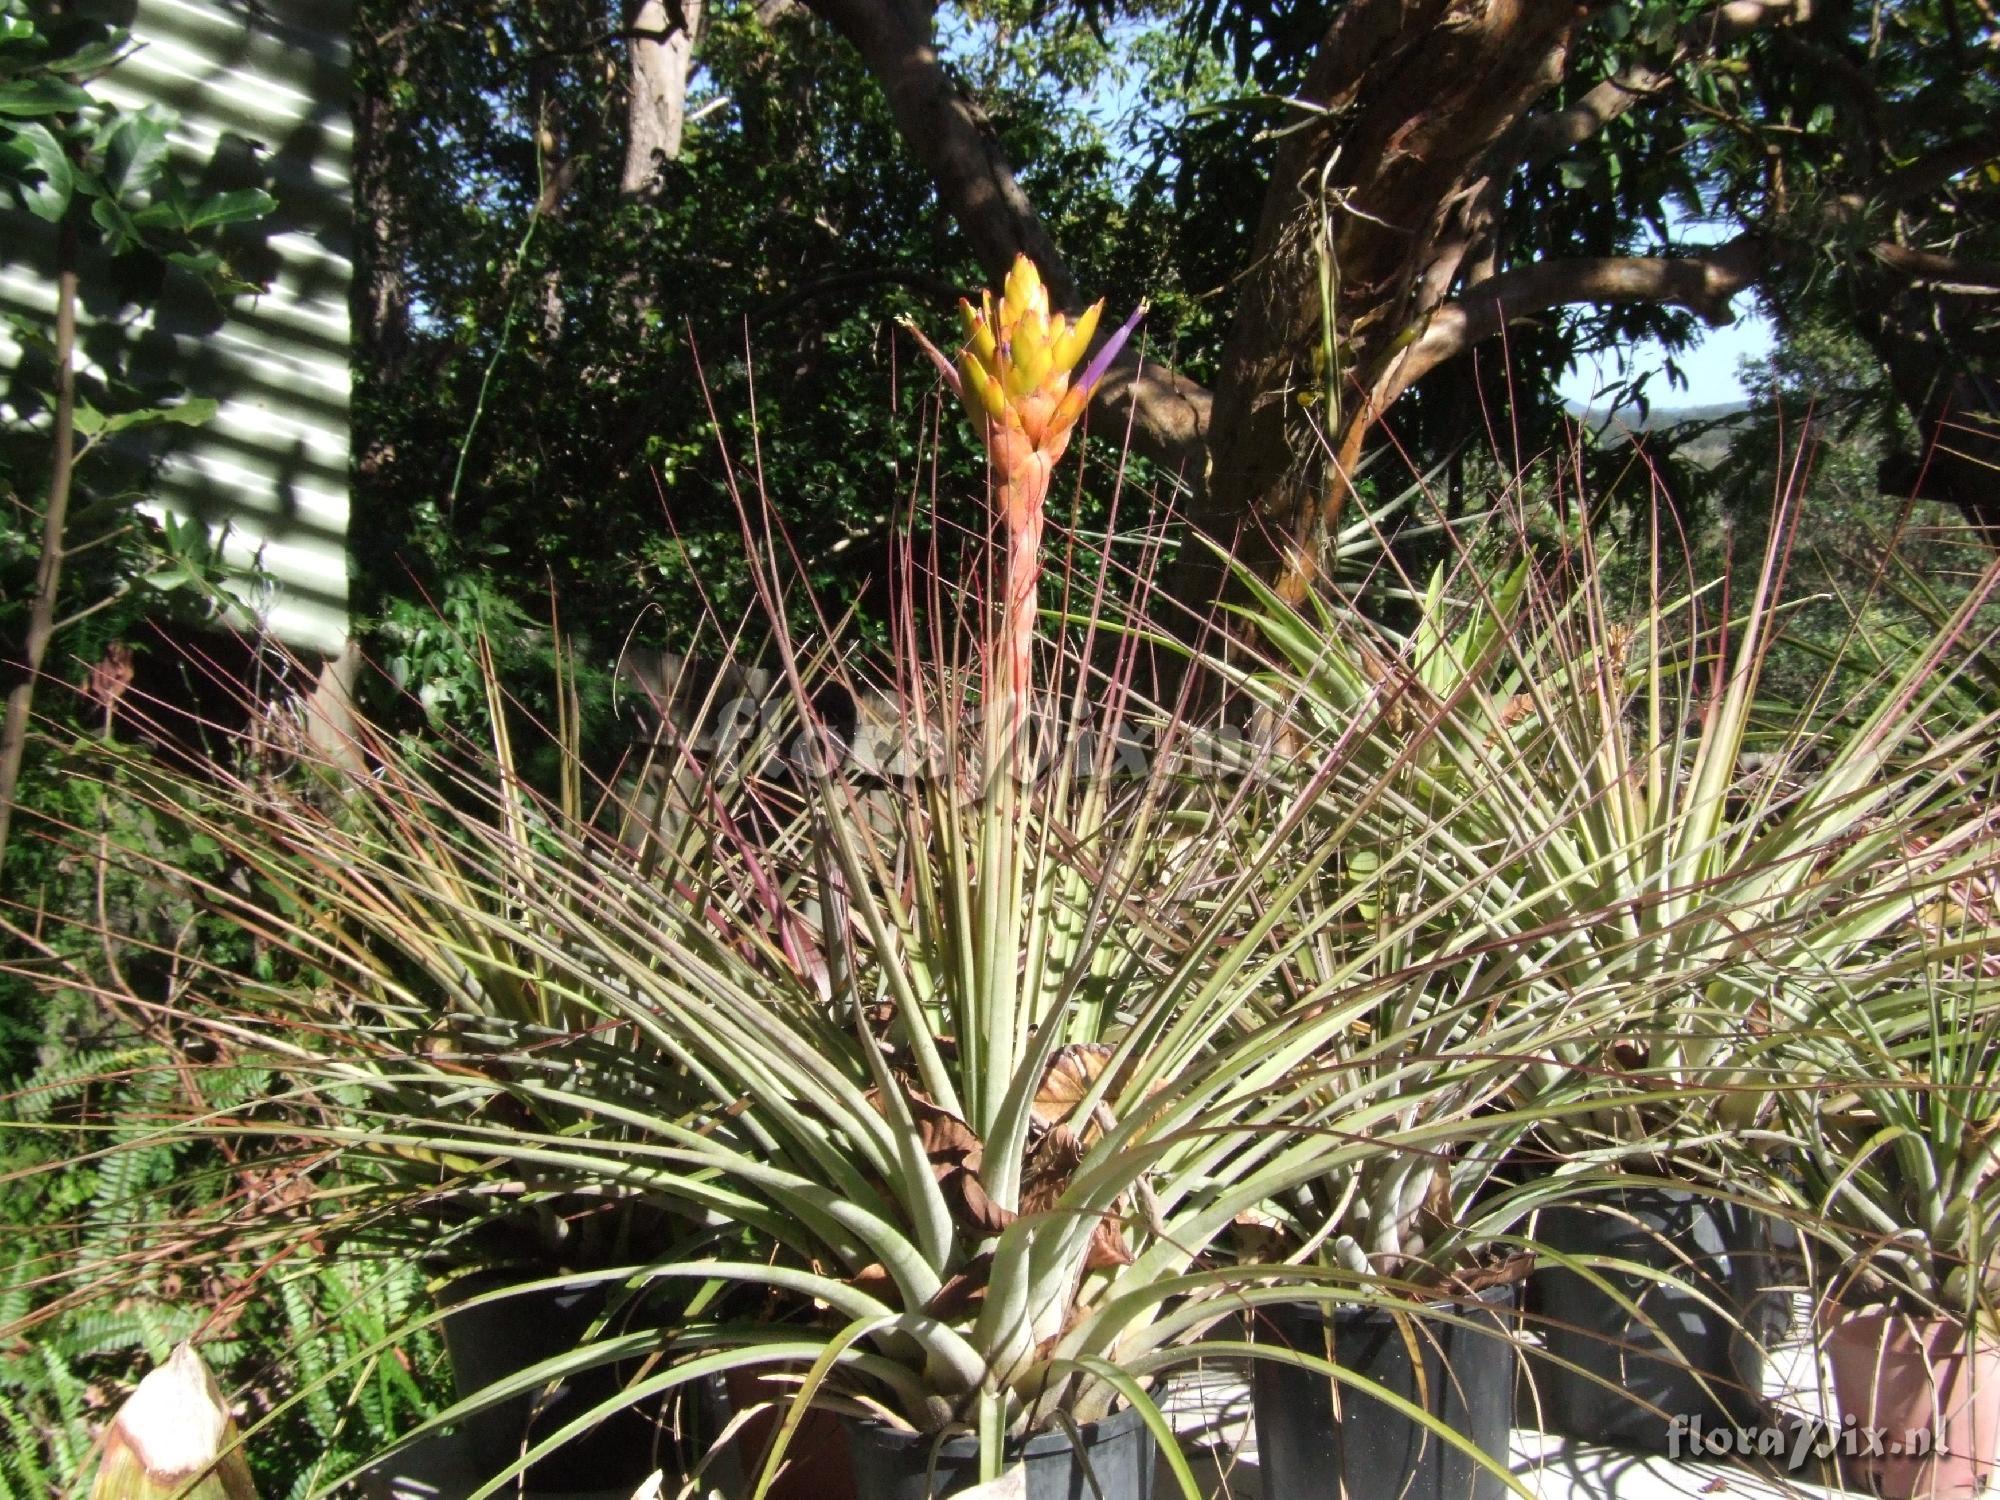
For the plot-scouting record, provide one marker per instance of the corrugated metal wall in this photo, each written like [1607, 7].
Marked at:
[262, 89]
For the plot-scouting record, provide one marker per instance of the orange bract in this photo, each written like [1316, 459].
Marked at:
[1014, 371]
[1017, 372]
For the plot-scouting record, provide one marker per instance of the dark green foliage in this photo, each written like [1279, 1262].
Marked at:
[765, 276]
[60, 147]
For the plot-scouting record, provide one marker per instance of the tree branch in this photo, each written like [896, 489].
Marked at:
[1942, 273]
[1920, 178]
[598, 41]
[555, 189]
[1166, 413]
[1703, 284]
[42, 604]
[1548, 136]
[950, 135]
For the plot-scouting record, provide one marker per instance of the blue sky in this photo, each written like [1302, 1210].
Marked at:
[1710, 366]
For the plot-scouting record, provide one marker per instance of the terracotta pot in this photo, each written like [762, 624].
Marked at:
[1915, 1382]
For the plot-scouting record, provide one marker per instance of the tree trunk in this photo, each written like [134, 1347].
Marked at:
[663, 37]
[381, 295]
[381, 304]
[379, 298]
[1374, 204]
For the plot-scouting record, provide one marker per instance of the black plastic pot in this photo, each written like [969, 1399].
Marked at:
[893, 1464]
[493, 1341]
[1372, 1451]
[1712, 1370]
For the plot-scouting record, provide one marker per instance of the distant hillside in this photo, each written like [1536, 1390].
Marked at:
[1720, 418]
[1661, 417]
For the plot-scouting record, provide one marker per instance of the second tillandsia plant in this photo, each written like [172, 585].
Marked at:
[1676, 861]
[1687, 883]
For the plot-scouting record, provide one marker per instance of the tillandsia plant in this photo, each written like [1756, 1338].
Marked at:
[1401, 877]
[1677, 869]
[1898, 1158]
[960, 1061]
[1898, 1161]
[1898, 1179]
[1620, 853]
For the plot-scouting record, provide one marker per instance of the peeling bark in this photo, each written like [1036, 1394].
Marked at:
[1411, 95]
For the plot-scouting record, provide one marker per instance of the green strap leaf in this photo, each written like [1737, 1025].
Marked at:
[1149, 1413]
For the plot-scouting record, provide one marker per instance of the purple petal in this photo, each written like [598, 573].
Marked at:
[1101, 361]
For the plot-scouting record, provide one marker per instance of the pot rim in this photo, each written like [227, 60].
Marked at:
[1501, 1297]
[1837, 1320]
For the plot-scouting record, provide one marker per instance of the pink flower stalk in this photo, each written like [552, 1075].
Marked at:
[1013, 376]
